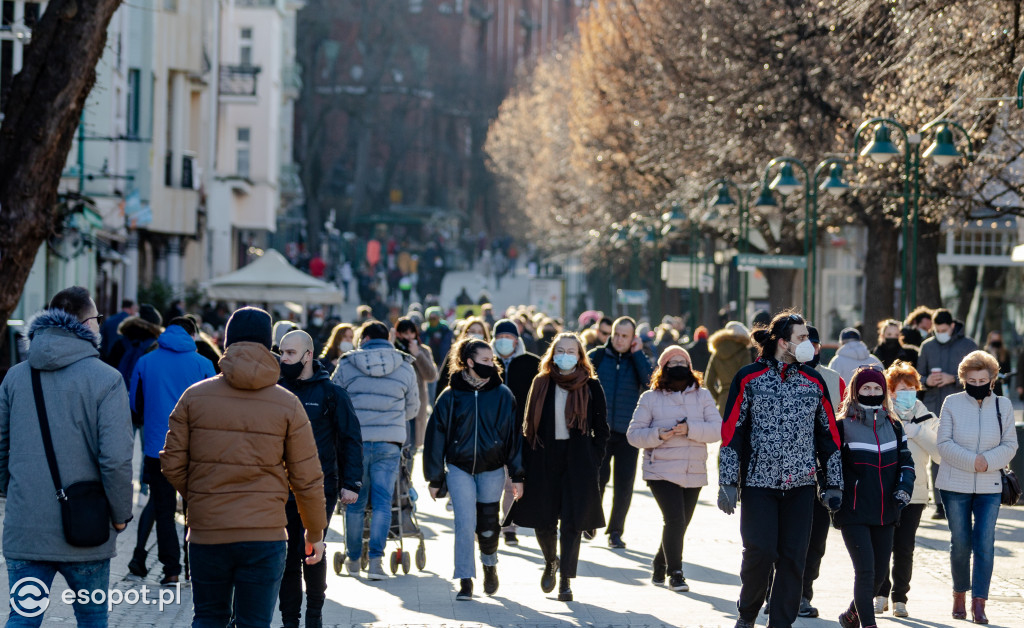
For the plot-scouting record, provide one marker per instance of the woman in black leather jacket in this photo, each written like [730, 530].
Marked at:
[474, 433]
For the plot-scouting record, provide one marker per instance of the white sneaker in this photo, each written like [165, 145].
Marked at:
[881, 604]
[352, 567]
[376, 570]
[899, 609]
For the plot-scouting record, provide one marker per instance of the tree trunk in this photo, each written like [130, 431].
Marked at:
[966, 282]
[781, 288]
[880, 275]
[43, 111]
[929, 243]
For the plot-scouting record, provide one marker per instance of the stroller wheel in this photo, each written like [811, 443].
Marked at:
[394, 561]
[421, 557]
[338, 562]
[406, 563]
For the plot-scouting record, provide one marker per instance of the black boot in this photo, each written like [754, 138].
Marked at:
[548, 546]
[137, 565]
[465, 590]
[564, 592]
[490, 579]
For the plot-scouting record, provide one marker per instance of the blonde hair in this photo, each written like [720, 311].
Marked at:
[883, 325]
[978, 361]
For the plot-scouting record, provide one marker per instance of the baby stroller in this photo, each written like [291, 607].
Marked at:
[403, 525]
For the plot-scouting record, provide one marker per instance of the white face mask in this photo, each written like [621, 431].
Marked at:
[942, 338]
[804, 351]
[345, 346]
[476, 336]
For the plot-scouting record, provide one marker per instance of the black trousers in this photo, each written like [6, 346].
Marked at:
[869, 548]
[677, 505]
[163, 502]
[820, 523]
[625, 456]
[936, 499]
[296, 570]
[548, 537]
[775, 526]
[903, 541]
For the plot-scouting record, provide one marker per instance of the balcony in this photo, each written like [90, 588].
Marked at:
[238, 80]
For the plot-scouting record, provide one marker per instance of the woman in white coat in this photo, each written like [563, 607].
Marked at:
[673, 422]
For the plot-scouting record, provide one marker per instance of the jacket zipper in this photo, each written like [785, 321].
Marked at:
[476, 425]
[878, 446]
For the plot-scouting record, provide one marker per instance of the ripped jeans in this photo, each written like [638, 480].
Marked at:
[472, 494]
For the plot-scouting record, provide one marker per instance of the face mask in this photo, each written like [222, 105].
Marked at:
[317, 322]
[942, 338]
[565, 361]
[504, 346]
[476, 336]
[979, 392]
[345, 346]
[291, 371]
[892, 343]
[815, 362]
[871, 401]
[996, 344]
[484, 371]
[678, 373]
[905, 400]
[804, 351]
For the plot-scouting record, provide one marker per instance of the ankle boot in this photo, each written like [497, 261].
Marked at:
[978, 610]
[959, 605]
[564, 592]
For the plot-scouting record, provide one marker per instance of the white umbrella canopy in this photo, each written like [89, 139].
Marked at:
[271, 279]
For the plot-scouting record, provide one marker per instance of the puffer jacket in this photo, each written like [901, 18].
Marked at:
[237, 443]
[967, 429]
[947, 357]
[728, 355]
[624, 377]
[475, 430]
[876, 464]
[922, 429]
[682, 460]
[382, 384]
[851, 356]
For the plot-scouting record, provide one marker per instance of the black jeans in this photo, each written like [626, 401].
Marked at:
[869, 548]
[775, 526]
[820, 523]
[903, 541]
[548, 537]
[625, 474]
[163, 502]
[677, 505]
[296, 570]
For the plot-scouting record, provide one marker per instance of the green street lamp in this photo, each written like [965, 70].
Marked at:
[881, 149]
[723, 199]
[943, 150]
[834, 185]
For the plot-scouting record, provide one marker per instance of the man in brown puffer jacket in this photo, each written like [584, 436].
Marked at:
[237, 443]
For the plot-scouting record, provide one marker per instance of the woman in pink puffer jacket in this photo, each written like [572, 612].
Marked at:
[672, 423]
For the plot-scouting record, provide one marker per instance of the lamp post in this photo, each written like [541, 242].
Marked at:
[723, 200]
[881, 149]
[785, 183]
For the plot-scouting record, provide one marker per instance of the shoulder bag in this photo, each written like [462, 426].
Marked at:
[84, 509]
[1011, 485]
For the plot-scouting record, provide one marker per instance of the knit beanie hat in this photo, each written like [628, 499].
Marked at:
[149, 314]
[850, 333]
[248, 324]
[865, 375]
[505, 326]
[669, 353]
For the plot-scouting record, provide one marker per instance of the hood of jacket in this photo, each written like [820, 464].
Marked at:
[728, 343]
[249, 366]
[458, 382]
[56, 339]
[176, 339]
[854, 350]
[377, 358]
[135, 327]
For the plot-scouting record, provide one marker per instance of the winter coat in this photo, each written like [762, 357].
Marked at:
[967, 430]
[699, 354]
[474, 430]
[518, 374]
[682, 460]
[833, 383]
[728, 355]
[382, 384]
[339, 443]
[237, 443]
[537, 508]
[90, 426]
[108, 333]
[888, 354]
[779, 428]
[159, 379]
[624, 377]
[876, 464]
[851, 356]
[922, 429]
[439, 339]
[138, 336]
[946, 356]
[426, 373]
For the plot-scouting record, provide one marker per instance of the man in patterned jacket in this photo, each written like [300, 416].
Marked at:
[779, 428]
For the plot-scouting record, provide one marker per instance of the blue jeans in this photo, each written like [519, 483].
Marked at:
[468, 490]
[967, 537]
[380, 472]
[87, 576]
[235, 580]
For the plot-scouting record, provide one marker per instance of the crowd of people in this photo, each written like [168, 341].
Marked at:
[522, 423]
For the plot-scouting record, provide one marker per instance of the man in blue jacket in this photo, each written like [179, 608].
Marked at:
[625, 373]
[159, 379]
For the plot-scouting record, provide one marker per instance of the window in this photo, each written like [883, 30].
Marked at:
[31, 14]
[134, 87]
[245, 46]
[242, 152]
[8, 13]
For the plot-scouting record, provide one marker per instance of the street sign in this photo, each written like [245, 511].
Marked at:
[632, 297]
[771, 261]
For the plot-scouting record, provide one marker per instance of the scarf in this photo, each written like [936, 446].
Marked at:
[473, 380]
[575, 405]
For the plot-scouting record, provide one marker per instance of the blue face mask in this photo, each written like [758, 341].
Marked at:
[905, 399]
[504, 346]
[565, 361]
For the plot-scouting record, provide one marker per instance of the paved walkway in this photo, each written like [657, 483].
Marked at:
[613, 588]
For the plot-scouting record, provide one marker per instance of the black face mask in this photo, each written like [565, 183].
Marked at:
[979, 392]
[892, 343]
[291, 371]
[485, 371]
[679, 373]
[996, 344]
[815, 361]
[401, 345]
[871, 400]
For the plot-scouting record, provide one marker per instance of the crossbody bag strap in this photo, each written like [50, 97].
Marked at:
[999, 417]
[44, 427]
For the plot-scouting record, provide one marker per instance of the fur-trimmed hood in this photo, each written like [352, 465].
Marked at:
[728, 342]
[136, 327]
[56, 339]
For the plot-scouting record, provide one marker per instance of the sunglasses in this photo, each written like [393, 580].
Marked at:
[98, 318]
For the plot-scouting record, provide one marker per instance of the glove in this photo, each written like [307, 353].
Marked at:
[902, 498]
[727, 497]
[832, 499]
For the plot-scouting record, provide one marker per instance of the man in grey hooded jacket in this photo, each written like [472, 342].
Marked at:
[90, 425]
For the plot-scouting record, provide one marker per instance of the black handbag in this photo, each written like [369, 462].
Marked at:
[1011, 485]
[84, 509]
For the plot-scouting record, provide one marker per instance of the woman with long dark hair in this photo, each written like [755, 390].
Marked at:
[566, 430]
